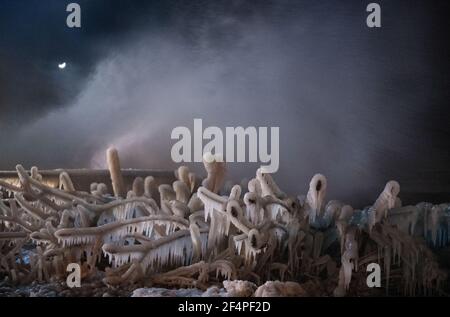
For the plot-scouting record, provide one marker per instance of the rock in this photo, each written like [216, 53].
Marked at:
[280, 289]
[214, 291]
[239, 288]
[65, 293]
[51, 294]
[315, 288]
[163, 292]
[339, 291]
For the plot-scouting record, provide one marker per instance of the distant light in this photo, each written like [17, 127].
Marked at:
[62, 66]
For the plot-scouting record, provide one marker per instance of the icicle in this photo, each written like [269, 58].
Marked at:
[387, 265]
[148, 228]
[196, 242]
[318, 240]
[239, 246]
[209, 209]
[347, 267]
[227, 225]
[219, 227]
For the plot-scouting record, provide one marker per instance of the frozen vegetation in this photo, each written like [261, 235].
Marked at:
[196, 238]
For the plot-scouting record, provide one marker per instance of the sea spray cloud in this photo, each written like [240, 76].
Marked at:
[344, 107]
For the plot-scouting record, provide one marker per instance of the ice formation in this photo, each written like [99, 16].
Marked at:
[192, 233]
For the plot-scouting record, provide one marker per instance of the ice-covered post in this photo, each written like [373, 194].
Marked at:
[112, 158]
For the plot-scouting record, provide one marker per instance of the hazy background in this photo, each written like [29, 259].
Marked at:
[360, 105]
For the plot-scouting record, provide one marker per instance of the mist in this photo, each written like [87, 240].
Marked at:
[345, 107]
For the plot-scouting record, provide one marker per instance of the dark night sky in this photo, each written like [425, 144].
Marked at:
[359, 105]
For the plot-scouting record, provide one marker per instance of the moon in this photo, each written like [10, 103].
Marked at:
[62, 65]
